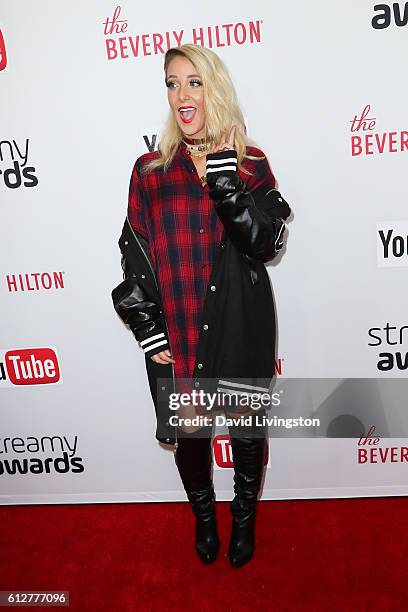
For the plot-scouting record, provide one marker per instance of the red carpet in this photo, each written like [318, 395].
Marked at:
[348, 554]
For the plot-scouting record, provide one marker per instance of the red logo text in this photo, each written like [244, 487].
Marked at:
[3, 54]
[223, 452]
[369, 450]
[369, 142]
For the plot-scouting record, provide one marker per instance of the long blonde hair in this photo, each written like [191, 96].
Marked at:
[220, 103]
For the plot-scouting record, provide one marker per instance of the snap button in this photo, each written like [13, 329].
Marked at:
[163, 388]
[199, 366]
[213, 287]
[223, 246]
[143, 276]
[126, 242]
[196, 384]
[201, 230]
[205, 326]
[280, 200]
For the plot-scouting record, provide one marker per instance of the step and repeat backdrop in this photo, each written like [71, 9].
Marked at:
[324, 94]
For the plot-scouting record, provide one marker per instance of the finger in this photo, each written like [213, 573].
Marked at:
[223, 145]
[161, 358]
[157, 359]
[166, 355]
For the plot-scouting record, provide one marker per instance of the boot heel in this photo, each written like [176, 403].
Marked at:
[207, 540]
[242, 542]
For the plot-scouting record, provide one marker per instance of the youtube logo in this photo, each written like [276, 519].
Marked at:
[223, 452]
[34, 366]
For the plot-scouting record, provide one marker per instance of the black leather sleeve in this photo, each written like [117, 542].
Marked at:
[253, 220]
[140, 313]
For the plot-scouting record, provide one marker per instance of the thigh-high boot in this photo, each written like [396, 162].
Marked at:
[193, 457]
[248, 449]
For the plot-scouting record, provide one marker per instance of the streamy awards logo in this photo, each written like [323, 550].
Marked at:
[121, 44]
[14, 168]
[386, 15]
[29, 366]
[56, 454]
[389, 343]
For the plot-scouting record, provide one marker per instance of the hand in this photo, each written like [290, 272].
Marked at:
[163, 357]
[226, 143]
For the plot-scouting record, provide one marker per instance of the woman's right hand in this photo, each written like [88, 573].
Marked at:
[163, 357]
[227, 143]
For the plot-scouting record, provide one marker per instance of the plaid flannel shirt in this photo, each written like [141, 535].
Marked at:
[175, 214]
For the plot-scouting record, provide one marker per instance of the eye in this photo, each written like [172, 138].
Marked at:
[196, 82]
[170, 84]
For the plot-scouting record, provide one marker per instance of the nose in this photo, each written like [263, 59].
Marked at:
[183, 92]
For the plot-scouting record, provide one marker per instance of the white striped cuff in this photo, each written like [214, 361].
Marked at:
[222, 162]
[228, 386]
[154, 344]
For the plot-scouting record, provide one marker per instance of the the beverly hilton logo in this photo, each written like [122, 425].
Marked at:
[33, 281]
[120, 44]
[366, 140]
[370, 451]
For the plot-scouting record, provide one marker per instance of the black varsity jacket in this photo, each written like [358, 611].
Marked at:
[236, 346]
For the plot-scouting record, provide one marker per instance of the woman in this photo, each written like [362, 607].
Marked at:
[203, 218]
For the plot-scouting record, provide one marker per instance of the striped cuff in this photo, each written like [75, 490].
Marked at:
[155, 344]
[222, 162]
[236, 386]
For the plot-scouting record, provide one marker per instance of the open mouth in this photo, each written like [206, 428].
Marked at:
[187, 113]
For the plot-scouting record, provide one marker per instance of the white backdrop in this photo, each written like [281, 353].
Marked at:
[76, 120]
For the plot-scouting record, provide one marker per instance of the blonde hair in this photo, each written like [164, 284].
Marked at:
[220, 103]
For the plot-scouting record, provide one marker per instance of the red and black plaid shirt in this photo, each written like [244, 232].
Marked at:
[175, 213]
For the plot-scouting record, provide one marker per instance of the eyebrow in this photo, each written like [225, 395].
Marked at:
[174, 76]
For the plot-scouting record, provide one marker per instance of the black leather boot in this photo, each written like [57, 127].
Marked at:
[249, 457]
[193, 459]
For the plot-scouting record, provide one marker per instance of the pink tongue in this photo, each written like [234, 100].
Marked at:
[188, 114]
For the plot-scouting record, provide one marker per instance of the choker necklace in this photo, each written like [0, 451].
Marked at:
[197, 147]
[194, 141]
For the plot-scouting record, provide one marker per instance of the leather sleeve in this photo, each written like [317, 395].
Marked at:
[141, 314]
[253, 220]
